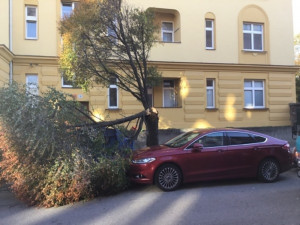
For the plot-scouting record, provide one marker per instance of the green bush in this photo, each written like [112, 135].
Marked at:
[49, 159]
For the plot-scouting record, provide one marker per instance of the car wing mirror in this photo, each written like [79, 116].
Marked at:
[197, 147]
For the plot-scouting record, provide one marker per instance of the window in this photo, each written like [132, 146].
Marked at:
[150, 96]
[113, 94]
[31, 22]
[169, 94]
[67, 8]
[209, 31]
[65, 82]
[212, 140]
[253, 36]
[254, 94]
[210, 93]
[32, 84]
[237, 138]
[167, 32]
[111, 33]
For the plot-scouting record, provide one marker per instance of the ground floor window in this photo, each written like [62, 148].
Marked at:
[169, 94]
[254, 94]
[32, 84]
[113, 94]
[210, 93]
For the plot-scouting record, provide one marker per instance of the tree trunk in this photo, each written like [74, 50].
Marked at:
[151, 121]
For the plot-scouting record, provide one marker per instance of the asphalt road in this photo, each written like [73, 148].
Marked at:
[230, 202]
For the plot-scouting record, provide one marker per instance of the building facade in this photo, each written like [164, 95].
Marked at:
[224, 63]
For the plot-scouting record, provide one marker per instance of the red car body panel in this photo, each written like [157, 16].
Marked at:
[211, 163]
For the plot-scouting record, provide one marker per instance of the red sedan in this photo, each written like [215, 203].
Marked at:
[210, 154]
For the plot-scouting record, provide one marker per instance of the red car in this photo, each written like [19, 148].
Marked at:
[210, 154]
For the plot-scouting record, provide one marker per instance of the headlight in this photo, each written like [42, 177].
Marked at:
[141, 161]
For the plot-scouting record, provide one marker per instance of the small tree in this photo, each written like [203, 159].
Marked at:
[106, 40]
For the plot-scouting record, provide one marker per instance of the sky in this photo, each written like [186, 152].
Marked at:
[296, 14]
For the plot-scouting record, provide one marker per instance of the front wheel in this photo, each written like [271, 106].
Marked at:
[268, 170]
[168, 177]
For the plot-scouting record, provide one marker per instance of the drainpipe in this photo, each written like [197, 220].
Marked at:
[10, 40]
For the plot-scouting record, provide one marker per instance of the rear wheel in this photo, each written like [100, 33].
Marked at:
[268, 170]
[168, 177]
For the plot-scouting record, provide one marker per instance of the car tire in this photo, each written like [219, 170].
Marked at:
[268, 170]
[168, 177]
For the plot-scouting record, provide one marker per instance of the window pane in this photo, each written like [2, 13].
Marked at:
[247, 27]
[248, 99]
[257, 27]
[208, 23]
[258, 84]
[247, 41]
[237, 138]
[210, 98]
[209, 42]
[209, 83]
[212, 140]
[247, 83]
[32, 84]
[112, 97]
[31, 11]
[169, 98]
[66, 9]
[168, 83]
[31, 29]
[259, 98]
[257, 41]
[167, 37]
[150, 96]
[167, 26]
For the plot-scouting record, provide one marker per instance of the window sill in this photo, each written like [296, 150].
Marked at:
[70, 87]
[210, 49]
[169, 42]
[254, 52]
[113, 109]
[256, 109]
[211, 109]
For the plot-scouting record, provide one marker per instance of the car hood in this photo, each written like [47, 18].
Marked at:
[152, 151]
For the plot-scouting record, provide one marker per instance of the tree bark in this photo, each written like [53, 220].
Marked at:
[151, 121]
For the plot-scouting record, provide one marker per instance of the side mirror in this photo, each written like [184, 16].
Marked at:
[197, 147]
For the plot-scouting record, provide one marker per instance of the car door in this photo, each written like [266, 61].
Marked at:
[207, 163]
[241, 155]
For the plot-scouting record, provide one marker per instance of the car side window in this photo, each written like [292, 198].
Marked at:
[240, 138]
[212, 140]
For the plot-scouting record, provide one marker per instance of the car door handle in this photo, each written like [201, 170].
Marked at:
[220, 150]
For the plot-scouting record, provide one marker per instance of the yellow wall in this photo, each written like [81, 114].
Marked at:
[186, 59]
[4, 23]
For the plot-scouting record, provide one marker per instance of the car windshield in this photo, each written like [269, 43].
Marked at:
[181, 139]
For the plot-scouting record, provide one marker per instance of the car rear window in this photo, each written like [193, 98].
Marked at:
[259, 139]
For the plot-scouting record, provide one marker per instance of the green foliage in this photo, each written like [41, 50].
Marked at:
[47, 158]
[96, 55]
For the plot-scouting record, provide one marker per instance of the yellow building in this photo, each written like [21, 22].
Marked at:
[224, 63]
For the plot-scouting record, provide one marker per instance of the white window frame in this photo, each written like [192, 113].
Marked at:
[253, 89]
[65, 85]
[213, 91]
[210, 29]
[174, 91]
[31, 19]
[167, 31]
[252, 32]
[29, 86]
[113, 86]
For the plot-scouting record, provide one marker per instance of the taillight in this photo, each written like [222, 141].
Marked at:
[286, 147]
